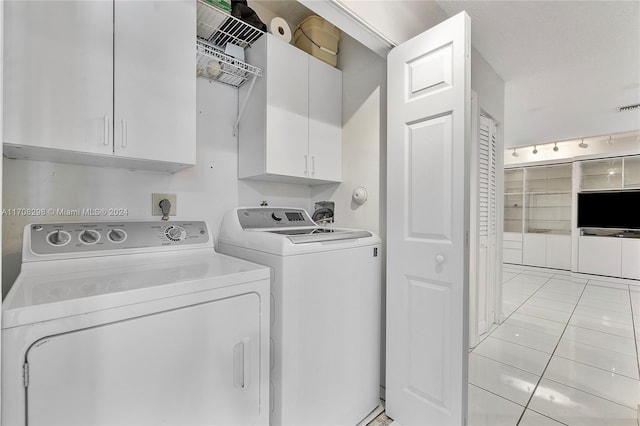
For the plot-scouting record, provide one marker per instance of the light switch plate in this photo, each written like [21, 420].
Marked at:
[155, 204]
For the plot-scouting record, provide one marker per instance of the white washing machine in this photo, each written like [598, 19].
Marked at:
[137, 323]
[325, 313]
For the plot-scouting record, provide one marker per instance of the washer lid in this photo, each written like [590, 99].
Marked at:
[57, 289]
[312, 235]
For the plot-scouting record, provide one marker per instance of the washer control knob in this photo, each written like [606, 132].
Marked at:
[275, 217]
[58, 238]
[89, 236]
[175, 233]
[117, 235]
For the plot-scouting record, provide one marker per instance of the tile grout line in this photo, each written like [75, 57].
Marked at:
[553, 354]
[497, 395]
[525, 301]
[592, 394]
[594, 367]
[508, 365]
[509, 316]
[635, 335]
[551, 357]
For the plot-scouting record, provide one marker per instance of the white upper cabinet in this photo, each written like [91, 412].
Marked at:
[610, 174]
[101, 82]
[154, 82]
[287, 108]
[291, 130]
[325, 121]
[58, 75]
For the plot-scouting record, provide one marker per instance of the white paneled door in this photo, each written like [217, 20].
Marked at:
[428, 224]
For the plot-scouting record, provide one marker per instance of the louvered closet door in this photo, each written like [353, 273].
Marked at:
[487, 224]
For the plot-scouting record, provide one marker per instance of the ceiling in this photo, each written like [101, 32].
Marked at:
[521, 38]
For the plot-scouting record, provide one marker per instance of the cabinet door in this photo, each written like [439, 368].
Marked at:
[287, 110]
[155, 81]
[558, 251]
[512, 247]
[325, 121]
[533, 249]
[58, 74]
[631, 258]
[600, 255]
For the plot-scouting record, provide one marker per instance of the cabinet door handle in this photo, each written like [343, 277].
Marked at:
[313, 165]
[105, 133]
[242, 363]
[306, 165]
[124, 133]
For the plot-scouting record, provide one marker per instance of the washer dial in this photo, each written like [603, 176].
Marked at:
[175, 233]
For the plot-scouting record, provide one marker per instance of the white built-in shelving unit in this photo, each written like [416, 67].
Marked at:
[537, 216]
[548, 199]
[609, 252]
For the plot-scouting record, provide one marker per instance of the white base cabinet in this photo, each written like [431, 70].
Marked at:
[600, 256]
[631, 258]
[546, 250]
[291, 129]
[512, 247]
[558, 251]
[534, 249]
[101, 83]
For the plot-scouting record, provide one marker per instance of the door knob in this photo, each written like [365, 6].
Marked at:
[440, 259]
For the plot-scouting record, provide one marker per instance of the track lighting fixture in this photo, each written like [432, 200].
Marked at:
[555, 147]
[609, 141]
[535, 150]
[515, 153]
[582, 144]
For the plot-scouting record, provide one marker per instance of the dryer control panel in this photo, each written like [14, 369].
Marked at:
[273, 217]
[74, 238]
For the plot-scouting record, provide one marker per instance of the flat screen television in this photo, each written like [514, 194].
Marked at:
[609, 209]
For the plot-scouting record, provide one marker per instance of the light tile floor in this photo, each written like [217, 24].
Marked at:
[566, 353]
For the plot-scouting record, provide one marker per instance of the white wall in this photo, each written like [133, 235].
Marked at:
[363, 137]
[205, 191]
[489, 86]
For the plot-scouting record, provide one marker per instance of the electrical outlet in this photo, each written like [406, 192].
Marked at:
[155, 204]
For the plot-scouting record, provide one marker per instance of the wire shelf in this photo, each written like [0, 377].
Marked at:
[215, 65]
[216, 29]
[219, 28]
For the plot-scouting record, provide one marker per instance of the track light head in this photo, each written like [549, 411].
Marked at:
[515, 153]
[535, 150]
[582, 144]
[555, 147]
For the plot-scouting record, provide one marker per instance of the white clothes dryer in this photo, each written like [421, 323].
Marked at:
[136, 323]
[325, 314]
